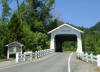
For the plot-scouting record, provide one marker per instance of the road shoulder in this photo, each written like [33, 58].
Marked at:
[81, 66]
[9, 64]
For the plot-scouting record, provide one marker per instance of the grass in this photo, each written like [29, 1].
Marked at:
[98, 69]
[11, 59]
[65, 50]
[1, 60]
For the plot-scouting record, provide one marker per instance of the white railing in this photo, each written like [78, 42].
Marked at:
[86, 57]
[33, 55]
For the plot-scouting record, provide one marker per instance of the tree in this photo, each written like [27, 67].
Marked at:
[41, 41]
[15, 27]
[53, 24]
[38, 26]
[45, 15]
[23, 11]
[5, 12]
[28, 39]
[3, 39]
[18, 5]
[33, 11]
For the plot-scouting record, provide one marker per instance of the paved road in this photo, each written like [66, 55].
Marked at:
[55, 63]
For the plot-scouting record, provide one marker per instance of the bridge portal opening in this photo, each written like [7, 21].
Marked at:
[62, 41]
[65, 32]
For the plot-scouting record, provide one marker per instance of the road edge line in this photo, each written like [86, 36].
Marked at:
[69, 58]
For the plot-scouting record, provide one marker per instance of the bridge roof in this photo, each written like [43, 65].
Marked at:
[15, 43]
[67, 26]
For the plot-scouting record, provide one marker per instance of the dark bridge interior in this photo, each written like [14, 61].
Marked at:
[59, 39]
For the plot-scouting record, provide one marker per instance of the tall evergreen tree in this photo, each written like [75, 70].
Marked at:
[37, 11]
[5, 11]
[15, 27]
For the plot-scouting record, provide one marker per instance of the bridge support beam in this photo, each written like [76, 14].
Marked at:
[79, 44]
[52, 42]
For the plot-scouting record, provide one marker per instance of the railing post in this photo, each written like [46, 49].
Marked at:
[83, 58]
[91, 55]
[44, 52]
[35, 54]
[50, 51]
[38, 54]
[17, 57]
[86, 54]
[98, 60]
[47, 51]
[30, 56]
[24, 57]
[21, 55]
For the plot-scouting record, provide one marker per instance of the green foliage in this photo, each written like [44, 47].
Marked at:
[53, 24]
[41, 40]
[15, 29]
[36, 13]
[91, 39]
[96, 27]
[5, 11]
[37, 26]
[27, 39]
[3, 39]
[31, 27]
[69, 46]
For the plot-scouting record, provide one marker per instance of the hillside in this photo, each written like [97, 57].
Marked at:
[96, 27]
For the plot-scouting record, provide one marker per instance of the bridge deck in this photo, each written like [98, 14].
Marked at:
[55, 63]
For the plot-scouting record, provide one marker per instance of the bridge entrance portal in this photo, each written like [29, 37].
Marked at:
[60, 39]
[63, 33]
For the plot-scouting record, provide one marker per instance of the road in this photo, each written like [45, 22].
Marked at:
[54, 63]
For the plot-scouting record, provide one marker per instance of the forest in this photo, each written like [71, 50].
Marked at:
[31, 21]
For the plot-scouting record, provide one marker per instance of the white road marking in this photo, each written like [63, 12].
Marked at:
[69, 58]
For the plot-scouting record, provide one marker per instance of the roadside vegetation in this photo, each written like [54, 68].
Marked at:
[31, 21]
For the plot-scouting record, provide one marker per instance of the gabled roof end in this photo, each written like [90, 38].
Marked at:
[67, 26]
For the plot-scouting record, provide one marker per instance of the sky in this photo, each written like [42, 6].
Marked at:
[78, 12]
[84, 13]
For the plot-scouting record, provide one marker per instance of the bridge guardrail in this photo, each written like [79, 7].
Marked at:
[33, 55]
[92, 58]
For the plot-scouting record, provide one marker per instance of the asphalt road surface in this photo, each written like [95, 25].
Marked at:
[54, 63]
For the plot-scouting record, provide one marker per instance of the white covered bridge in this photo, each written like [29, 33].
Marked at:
[49, 61]
[65, 32]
